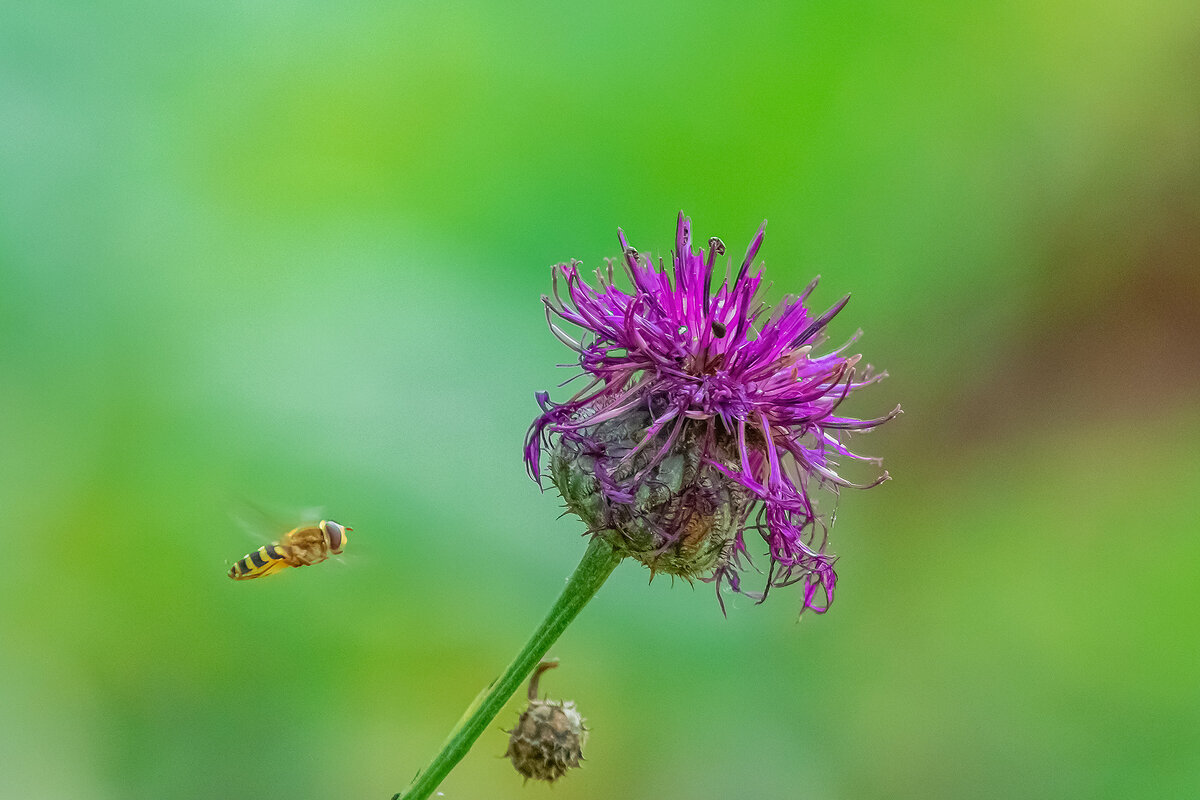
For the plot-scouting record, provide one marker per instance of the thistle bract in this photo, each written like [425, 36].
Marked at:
[703, 415]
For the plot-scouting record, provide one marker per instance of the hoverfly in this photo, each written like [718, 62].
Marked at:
[299, 547]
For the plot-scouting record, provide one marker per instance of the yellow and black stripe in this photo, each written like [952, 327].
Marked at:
[265, 560]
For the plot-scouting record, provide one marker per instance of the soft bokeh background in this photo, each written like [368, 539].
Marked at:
[277, 256]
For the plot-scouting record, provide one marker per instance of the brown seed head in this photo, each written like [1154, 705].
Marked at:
[548, 738]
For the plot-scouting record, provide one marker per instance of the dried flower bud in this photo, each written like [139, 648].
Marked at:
[548, 738]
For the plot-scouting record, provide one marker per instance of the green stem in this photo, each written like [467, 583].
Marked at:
[597, 564]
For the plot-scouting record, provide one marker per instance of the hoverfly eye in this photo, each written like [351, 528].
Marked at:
[336, 534]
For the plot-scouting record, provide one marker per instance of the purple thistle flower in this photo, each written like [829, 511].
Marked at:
[703, 416]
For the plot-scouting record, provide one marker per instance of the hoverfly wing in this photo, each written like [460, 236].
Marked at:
[268, 522]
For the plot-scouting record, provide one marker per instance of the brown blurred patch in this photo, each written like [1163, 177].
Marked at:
[1114, 331]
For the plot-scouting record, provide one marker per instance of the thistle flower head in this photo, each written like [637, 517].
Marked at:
[703, 415]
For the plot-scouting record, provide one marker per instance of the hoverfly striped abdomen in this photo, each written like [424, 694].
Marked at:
[262, 561]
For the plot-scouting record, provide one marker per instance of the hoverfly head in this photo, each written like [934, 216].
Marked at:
[335, 533]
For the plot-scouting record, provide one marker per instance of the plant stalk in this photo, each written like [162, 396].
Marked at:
[595, 567]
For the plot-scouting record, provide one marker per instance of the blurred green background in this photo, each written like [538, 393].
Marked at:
[291, 255]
